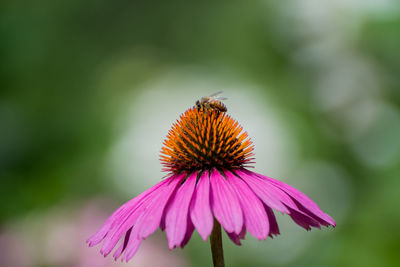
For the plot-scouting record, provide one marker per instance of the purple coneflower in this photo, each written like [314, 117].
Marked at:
[208, 186]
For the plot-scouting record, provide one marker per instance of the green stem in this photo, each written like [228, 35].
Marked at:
[216, 245]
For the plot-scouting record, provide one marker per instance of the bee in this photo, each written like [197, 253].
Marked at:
[212, 101]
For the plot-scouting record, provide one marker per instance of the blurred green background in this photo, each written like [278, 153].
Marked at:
[89, 90]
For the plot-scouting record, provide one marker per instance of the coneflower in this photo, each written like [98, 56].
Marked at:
[206, 155]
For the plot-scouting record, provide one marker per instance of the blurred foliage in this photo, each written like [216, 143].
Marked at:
[56, 114]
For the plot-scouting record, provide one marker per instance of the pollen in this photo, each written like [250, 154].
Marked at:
[203, 139]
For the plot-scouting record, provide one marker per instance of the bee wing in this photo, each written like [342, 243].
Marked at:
[215, 94]
[221, 98]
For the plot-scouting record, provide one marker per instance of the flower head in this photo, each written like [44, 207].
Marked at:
[206, 155]
[204, 139]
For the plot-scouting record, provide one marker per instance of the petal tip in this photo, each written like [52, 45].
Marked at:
[204, 236]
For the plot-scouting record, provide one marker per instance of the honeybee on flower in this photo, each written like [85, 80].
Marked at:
[212, 102]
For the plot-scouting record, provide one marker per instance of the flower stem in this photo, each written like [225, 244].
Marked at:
[216, 246]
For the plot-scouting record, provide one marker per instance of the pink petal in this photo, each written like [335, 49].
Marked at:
[303, 220]
[177, 212]
[122, 212]
[189, 232]
[312, 215]
[255, 216]
[242, 233]
[270, 195]
[225, 204]
[131, 249]
[237, 237]
[162, 223]
[150, 219]
[131, 213]
[301, 198]
[200, 210]
[277, 193]
[264, 189]
[274, 228]
[122, 247]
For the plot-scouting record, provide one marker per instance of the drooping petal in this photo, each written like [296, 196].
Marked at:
[189, 232]
[225, 204]
[132, 213]
[242, 233]
[264, 189]
[304, 202]
[271, 189]
[274, 228]
[138, 218]
[177, 212]
[312, 215]
[121, 213]
[150, 219]
[200, 210]
[303, 220]
[255, 216]
[266, 192]
[237, 237]
[122, 247]
[131, 249]
[162, 222]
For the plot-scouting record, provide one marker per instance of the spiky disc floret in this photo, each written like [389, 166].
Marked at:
[203, 139]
